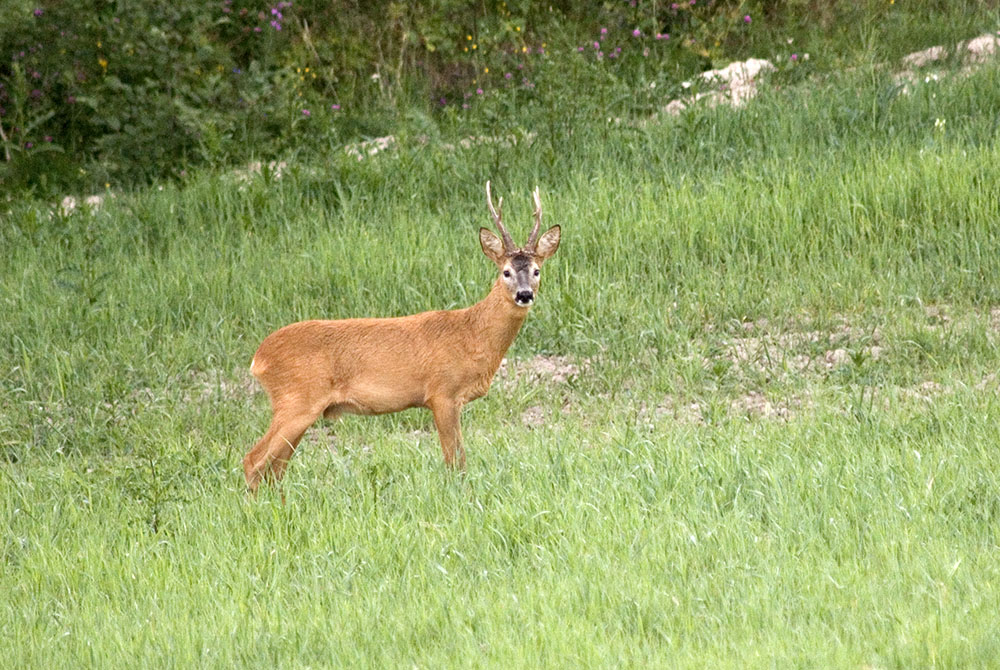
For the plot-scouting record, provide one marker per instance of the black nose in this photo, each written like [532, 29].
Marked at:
[524, 297]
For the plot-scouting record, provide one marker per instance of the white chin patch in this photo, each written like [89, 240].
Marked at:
[523, 303]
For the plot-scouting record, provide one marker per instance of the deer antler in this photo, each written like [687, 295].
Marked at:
[533, 239]
[508, 243]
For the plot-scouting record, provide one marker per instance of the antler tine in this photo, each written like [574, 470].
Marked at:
[533, 239]
[508, 243]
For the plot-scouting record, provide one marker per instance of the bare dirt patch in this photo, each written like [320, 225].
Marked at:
[681, 411]
[800, 352]
[533, 417]
[543, 369]
[757, 405]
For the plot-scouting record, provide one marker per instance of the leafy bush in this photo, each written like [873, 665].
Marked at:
[102, 91]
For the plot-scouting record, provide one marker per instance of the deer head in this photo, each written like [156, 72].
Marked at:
[519, 266]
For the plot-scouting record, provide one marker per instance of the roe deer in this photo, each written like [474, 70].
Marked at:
[439, 360]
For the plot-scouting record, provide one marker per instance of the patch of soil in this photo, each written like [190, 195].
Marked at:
[533, 417]
[801, 351]
[542, 369]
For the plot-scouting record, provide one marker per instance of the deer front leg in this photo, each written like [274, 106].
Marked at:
[447, 418]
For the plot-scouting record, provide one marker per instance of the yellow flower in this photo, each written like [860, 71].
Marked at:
[307, 69]
[475, 46]
[486, 70]
[524, 49]
[468, 37]
[517, 28]
[103, 62]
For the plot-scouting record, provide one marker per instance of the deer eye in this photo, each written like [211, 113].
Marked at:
[506, 273]
[537, 272]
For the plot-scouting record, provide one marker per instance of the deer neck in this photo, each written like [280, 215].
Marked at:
[496, 321]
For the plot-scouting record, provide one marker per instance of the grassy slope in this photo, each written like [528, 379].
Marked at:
[780, 450]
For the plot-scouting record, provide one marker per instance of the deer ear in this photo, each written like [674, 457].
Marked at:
[492, 245]
[547, 243]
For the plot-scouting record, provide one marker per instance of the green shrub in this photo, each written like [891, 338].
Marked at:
[107, 92]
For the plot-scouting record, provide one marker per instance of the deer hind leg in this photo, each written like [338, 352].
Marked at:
[447, 418]
[270, 456]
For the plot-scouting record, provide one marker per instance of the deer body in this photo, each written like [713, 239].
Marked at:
[439, 360]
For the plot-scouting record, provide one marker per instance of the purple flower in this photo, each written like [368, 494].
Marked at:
[276, 25]
[28, 145]
[465, 105]
[306, 112]
[747, 19]
[795, 57]
[336, 108]
[604, 31]
[39, 11]
[663, 36]
[443, 101]
[636, 33]
[479, 91]
[597, 45]
[48, 138]
[508, 75]
[579, 48]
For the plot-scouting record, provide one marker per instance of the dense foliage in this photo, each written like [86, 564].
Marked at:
[102, 92]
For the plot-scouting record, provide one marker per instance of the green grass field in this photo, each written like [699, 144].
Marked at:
[751, 421]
